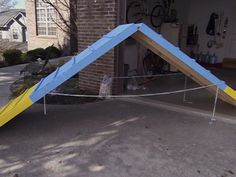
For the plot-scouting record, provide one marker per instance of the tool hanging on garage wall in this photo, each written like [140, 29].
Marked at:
[192, 37]
[211, 27]
[217, 29]
[226, 23]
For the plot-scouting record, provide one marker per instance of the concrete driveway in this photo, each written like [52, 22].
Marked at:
[115, 139]
[10, 74]
[7, 76]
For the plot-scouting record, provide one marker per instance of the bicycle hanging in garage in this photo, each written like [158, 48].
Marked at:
[162, 11]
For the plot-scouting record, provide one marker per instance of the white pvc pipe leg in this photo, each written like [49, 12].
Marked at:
[44, 106]
[215, 104]
[185, 87]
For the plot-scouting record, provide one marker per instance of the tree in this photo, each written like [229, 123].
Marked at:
[67, 12]
[6, 4]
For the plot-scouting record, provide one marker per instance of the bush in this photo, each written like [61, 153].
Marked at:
[36, 53]
[24, 57]
[53, 52]
[3, 63]
[12, 56]
[19, 86]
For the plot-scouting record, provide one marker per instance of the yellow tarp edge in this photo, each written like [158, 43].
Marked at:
[231, 92]
[16, 106]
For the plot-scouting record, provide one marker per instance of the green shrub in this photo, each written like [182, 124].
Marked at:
[36, 53]
[12, 56]
[18, 87]
[24, 57]
[53, 52]
[3, 63]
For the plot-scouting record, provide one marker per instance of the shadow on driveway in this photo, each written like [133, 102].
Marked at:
[115, 138]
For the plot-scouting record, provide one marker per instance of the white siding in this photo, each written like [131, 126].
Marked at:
[17, 28]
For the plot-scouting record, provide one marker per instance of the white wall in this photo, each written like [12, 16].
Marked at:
[17, 27]
[199, 13]
[131, 54]
[23, 20]
[183, 8]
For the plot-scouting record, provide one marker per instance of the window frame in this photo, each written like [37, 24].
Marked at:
[15, 34]
[48, 23]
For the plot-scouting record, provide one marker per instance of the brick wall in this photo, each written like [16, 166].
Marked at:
[94, 20]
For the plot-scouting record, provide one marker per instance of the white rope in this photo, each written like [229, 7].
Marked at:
[132, 96]
[139, 76]
[143, 76]
[185, 87]
[44, 105]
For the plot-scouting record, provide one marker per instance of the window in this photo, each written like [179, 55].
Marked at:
[15, 34]
[45, 17]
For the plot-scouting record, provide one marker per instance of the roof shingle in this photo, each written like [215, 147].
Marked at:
[6, 16]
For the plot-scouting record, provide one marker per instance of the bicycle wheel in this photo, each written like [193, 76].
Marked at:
[153, 64]
[157, 16]
[158, 64]
[134, 13]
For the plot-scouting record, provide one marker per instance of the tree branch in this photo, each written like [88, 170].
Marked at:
[7, 4]
[66, 22]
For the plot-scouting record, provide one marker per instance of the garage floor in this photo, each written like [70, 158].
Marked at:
[115, 138]
[201, 99]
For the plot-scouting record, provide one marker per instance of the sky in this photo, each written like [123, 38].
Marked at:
[20, 4]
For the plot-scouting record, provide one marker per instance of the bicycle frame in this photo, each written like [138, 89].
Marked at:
[138, 10]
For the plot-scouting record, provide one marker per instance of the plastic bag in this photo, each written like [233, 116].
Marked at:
[105, 87]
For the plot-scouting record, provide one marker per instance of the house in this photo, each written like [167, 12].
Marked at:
[95, 18]
[44, 25]
[13, 25]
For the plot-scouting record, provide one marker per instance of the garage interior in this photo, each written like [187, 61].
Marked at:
[205, 30]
